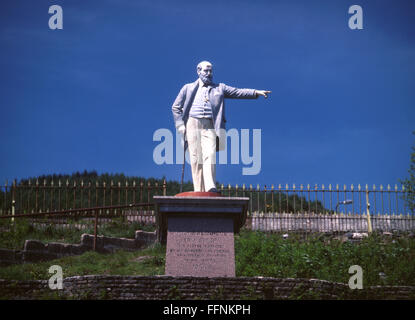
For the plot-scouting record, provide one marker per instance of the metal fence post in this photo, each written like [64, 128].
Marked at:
[13, 199]
[13, 209]
[369, 223]
[95, 230]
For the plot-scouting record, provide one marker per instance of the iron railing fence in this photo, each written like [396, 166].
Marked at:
[50, 196]
[323, 200]
[326, 209]
[281, 208]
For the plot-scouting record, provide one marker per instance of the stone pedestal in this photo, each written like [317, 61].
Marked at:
[199, 231]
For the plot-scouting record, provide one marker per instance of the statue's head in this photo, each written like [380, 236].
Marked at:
[205, 72]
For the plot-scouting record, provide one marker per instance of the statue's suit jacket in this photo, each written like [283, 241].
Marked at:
[217, 94]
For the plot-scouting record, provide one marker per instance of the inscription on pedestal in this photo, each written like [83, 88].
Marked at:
[200, 246]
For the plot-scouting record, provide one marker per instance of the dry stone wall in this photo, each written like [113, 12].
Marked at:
[35, 251]
[188, 288]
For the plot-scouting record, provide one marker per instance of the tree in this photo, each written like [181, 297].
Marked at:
[409, 183]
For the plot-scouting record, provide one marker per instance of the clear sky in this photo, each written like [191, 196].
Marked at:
[91, 96]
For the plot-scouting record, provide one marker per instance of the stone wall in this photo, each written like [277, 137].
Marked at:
[311, 222]
[34, 250]
[185, 288]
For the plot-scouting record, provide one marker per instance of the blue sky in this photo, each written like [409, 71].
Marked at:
[90, 96]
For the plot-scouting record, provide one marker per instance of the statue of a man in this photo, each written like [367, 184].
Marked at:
[199, 115]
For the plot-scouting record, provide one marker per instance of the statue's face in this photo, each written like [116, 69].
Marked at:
[206, 73]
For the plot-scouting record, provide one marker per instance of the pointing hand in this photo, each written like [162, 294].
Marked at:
[263, 93]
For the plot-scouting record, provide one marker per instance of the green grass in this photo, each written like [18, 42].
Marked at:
[269, 255]
[91, 262]
[256, 254]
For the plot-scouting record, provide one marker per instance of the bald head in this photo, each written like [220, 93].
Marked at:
[204, 71]
[203, 64]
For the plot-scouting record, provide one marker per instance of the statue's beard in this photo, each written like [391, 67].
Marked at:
[205, 79]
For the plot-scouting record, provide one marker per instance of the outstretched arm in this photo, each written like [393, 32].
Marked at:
[235, 93]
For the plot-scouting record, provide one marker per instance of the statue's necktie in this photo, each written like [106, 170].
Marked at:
[206, 91]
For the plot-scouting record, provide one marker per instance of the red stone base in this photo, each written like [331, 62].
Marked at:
[198, 194]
